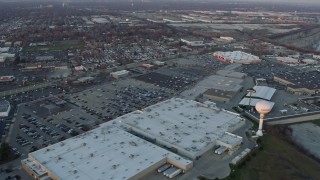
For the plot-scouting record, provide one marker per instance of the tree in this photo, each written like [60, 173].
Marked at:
[4, 151]
[16, 60]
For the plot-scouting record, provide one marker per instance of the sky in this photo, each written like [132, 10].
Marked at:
[263, 1]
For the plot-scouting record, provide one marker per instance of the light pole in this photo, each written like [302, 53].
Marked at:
[251, 90]
[263, 107]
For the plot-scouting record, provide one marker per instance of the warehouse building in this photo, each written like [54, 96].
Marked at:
[4, 108]
[252, 102]
[288, 60]
[192, 42]
[186, 127]
[219, 95]
[307, 83]
[309, 61]
[119, 74]
[105, 153]
[5, 79]
[229, 140]
[237, 57]
[5, 56]
[262, 92]
[134, 145]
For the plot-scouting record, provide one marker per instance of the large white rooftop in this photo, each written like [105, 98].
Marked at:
[107, 152]
[237, 55]
[4, 106]
[185, 125]
[119, 73]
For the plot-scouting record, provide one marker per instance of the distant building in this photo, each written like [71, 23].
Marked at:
[174, 20]
[159, 63]
[316, 56]
[44, 58]
[120, 74]
[300, 83]
[288, 60]
[80, 68]
[309, 61]
[156, 21]
[4, 79]
[237, 57]
[4, 49]
[226, 38]
[148, 66]
[4, 108]
[192, 42]
[5, 56]
[84, 80]
[8, 44]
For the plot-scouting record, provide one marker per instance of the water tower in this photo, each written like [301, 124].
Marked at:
[263, 107]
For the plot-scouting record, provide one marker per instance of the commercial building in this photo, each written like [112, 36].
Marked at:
[83, 80]
[187, 127]
[173, 20]
[148, 66]
[105, 153]
[5, 56]
[192, 42]
[219, 95]
[262, 92]
[227, 38]
[119, 74]
[159, 63]
[4, 79]
[44, 58]
[229, 140]
[309, 61]
[300, 83]
[237, 57]
[4, 49]
[80, 68]
[133, 145]
[288, 60]
[252, 102]
[4, 108]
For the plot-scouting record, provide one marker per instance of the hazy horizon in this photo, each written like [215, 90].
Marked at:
[258, 1]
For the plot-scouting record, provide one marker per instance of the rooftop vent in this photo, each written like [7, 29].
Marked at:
[132, 143]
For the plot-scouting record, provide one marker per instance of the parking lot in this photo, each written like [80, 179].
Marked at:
[47, 121]
[111, 100]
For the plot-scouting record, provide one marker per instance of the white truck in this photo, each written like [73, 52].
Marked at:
[164, 167]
